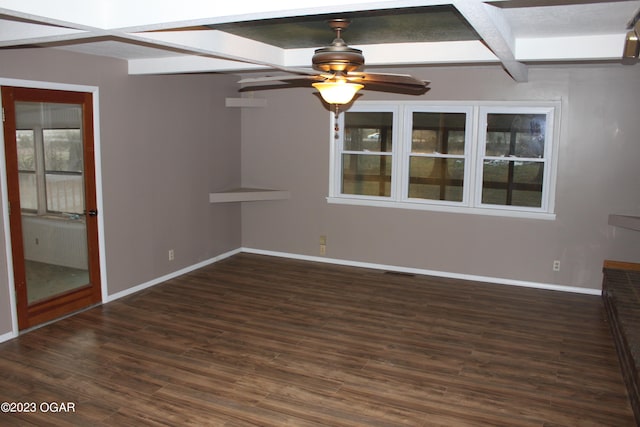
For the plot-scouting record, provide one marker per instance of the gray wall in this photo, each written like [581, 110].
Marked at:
[286, 146]
[166, 142]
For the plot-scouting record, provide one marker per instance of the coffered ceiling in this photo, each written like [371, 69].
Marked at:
[159, 37]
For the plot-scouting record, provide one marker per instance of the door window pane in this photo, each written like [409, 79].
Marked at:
[26, 150]
[62, 150]
[65, 193]
[25, 142]
[63, 166]
[28, 191]
[50, 158]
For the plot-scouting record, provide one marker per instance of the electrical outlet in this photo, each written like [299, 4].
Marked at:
[556, 265]
[323, 245]
[171, 255]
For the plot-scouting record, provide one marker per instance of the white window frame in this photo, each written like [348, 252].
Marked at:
[475, 140]
[548, 111]
[337, 152]
[407, 154]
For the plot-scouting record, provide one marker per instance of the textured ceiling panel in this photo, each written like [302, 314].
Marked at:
[431, 24]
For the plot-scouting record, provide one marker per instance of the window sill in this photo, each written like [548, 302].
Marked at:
[443, 208]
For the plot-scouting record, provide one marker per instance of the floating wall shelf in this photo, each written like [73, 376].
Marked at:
[248, 195]
[625, 221]
[246, 102]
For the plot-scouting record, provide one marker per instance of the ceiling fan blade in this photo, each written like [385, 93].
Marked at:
[398, 79]
[282, 78]
[270, 85]
[396, 88]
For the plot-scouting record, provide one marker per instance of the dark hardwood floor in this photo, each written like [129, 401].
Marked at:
[265, 341]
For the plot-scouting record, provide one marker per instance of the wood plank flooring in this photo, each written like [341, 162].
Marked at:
[265, 341]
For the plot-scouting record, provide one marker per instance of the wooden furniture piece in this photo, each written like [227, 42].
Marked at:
[621, 294]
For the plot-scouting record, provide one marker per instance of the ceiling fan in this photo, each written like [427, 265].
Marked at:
[337, 74]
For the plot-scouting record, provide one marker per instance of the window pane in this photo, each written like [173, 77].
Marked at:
[438, 133]
[519, 135]
[26, 150]
[436, 178]
[512, 183]
[370, 131]
[62, 150]
[28, 191]
[367, 175]
[63, 164]
[65, 193]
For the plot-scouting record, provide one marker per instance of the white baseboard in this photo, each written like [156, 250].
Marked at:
[169, 276]
[495, 280]
[8, 336]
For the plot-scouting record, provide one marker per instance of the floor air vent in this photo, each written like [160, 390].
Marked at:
[399, 273]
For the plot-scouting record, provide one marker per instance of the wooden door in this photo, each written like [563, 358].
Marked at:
[52, 202]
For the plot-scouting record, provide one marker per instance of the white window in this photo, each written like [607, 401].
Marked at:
[477, 157]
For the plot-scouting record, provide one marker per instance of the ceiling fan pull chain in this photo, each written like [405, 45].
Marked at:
[336, 127]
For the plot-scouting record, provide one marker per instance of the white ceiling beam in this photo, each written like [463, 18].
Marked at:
[187, 64]
[428, 53]
[15, 31]
[602, 47]
[492, 27]
[419, 53]
[214, 43]
[377, 55]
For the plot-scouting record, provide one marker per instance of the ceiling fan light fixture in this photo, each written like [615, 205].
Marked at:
[337, 92]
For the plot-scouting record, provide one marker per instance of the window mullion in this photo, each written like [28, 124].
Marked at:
[41, 184]
[477, 149]
[401, 154]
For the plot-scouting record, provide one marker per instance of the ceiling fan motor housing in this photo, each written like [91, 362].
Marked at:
[338, 58]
